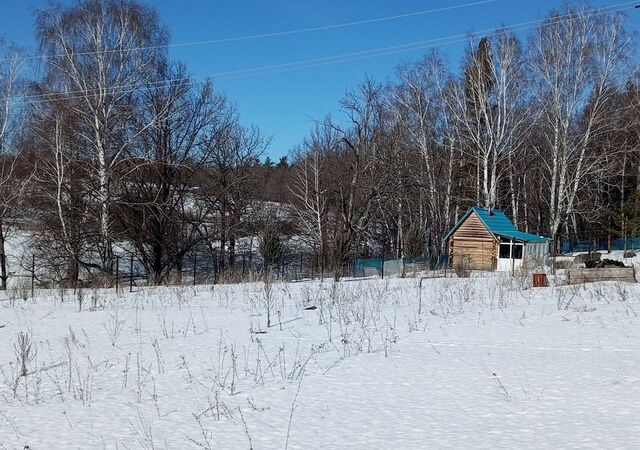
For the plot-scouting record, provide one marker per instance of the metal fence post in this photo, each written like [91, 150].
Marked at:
[117, 272]
[215, 266]
[301, 265]
[77, 275]
[131, 274]
[33, 274]
[195, 261]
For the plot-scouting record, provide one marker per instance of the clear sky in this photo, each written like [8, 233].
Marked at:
[285, 103]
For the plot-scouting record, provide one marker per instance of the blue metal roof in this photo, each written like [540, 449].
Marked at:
[499, 224]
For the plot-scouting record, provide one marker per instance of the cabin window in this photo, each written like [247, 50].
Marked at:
[507, 253]
[517, 251]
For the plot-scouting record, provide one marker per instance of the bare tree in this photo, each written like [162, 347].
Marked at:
[158, 208]
[58, 198]
[419, 106]
[227, 189]
[310, 186]
[12, 183]
[490, 105]
[358, 172]
[578, 58]
[99, 53]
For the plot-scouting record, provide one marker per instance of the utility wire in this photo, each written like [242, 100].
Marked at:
[316, 62]
[268, 35]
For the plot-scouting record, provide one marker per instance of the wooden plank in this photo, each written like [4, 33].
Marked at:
[473, 228]
[583, 275]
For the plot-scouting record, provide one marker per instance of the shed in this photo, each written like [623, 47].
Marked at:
[487, 240]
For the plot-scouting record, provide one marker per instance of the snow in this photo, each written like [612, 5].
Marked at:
[616, 255]
[18, 260]
[481, 363]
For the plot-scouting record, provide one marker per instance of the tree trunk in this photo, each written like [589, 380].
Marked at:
[156, 270]
[232, 252]
[3, 260]
[179, 269]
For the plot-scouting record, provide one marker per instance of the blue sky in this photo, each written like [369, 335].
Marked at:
[284, 104]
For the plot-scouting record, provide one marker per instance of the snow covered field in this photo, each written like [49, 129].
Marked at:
[461, 363]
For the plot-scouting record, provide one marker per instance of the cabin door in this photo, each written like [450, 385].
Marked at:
[510, 256]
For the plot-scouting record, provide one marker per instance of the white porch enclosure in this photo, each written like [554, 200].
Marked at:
[510, 256]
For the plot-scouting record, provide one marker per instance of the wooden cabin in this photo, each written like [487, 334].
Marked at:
[487, 240]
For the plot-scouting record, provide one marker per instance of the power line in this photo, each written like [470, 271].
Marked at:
[315, 62]
[267, 35]
[323, 61]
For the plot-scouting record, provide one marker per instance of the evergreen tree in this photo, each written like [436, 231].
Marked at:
[414, 243]
[268, 162]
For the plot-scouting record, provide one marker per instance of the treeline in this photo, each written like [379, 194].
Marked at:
[113, 147]
[118, 148]
[545, 128]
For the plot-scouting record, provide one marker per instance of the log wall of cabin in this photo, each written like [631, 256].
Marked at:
[473, 246]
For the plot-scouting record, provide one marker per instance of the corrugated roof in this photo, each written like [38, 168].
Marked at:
[499, 224]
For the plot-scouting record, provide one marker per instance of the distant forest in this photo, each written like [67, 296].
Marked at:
[107, 145]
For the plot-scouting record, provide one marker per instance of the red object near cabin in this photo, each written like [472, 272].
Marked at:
[540, 280]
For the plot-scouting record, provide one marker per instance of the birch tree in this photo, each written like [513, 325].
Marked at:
[418, 103]
[98, 54]
[58, 197]
[11, 186]
[578, 58]
[310, 185]
[489, 104]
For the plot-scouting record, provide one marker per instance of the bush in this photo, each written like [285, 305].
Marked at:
[461, 269]
[630, 254]
[414, 242]
[562, 265]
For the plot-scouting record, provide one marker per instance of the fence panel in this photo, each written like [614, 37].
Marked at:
[600, 244]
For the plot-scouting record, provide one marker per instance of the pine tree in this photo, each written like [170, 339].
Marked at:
[268, 162]
[271, 248]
